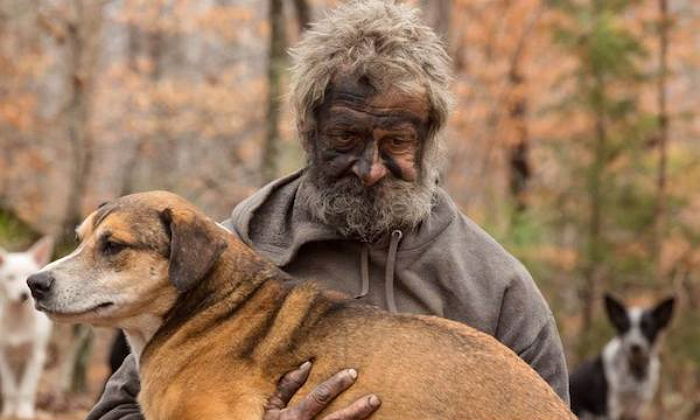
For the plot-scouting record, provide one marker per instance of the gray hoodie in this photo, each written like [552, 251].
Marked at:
[447, 267]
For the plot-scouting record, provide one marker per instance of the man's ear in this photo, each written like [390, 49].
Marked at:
[663, 311]
[194, 247]
[617, 313]
[42, 250]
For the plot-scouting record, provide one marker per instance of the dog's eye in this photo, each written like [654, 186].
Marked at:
[112, 248]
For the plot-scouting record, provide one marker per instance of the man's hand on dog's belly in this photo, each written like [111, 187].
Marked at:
[318, 399]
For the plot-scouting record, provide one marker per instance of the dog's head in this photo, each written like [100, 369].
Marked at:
[638, 328]
[15, 267]
[135, 255]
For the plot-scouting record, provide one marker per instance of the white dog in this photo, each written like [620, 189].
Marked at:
[21, 324]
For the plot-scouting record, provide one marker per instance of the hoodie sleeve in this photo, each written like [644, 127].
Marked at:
[527, 326]
[546, 356]
[118, 401]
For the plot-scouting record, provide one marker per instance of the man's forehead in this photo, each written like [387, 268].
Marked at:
[359, 91]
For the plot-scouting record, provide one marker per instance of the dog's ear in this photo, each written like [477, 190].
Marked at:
[42, 250]
[663, 311]
[194, 247]
[617, 313]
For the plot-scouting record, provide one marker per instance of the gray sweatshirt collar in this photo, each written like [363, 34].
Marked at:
[263, 221]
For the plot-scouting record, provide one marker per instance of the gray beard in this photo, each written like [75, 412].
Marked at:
[367, 213]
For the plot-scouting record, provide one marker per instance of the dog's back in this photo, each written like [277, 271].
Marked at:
[422, 367]
[425, 367]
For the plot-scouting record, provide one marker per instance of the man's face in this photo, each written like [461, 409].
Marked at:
[370, 135]
[366, 159]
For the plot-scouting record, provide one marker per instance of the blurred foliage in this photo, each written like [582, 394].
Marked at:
[15, 234]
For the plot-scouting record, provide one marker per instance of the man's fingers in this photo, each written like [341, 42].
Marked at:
[323, 394]
[359, 410]
[288, 385]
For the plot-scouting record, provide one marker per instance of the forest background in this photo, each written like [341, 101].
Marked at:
[574, 138]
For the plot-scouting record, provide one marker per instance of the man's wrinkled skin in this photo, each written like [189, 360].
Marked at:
[318, 399]
[369, 134]
[365, 157]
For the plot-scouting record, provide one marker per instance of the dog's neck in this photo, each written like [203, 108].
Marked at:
[139, 330]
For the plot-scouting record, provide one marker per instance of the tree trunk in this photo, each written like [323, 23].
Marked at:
[519, 146]
[275, 69]
[303, 12]
[154, 45]
[662, 141]
[82, 37]
[437, 15]
[592, 270]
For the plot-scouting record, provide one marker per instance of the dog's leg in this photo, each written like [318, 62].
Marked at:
[9, 386]
[26, 392]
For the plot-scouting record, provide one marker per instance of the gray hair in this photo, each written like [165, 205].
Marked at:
[379, 39]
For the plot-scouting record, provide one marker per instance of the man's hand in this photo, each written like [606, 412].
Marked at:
[318, 399]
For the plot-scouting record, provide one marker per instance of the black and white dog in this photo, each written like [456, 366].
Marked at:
[621, 381]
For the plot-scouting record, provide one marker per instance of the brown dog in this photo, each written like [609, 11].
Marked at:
[216, 326]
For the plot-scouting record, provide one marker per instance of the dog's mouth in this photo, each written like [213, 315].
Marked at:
[66, 313]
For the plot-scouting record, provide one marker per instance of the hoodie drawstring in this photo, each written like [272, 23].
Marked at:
[364, 267]
[388, 274]
[390, 268]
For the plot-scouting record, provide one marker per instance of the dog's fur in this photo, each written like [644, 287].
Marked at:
[22, 325]
[215, 326]
[621, 381]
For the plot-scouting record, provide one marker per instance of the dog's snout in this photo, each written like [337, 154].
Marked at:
[24, 296]
[40, 284]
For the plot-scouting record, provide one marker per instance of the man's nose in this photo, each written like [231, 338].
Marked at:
[370, 168]
[40, 284]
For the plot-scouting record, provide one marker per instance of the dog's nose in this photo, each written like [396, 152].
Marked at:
[636, 349]
[24, 296]
[40, 284]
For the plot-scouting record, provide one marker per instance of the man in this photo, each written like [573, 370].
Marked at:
[366, 216]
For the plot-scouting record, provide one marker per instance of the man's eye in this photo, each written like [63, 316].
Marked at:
[112, 248]
[344, 141]
[400, 143]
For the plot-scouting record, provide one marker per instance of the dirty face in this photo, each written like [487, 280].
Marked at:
[120, 268]
[365, 159]
[15, 267]
[370, 134]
